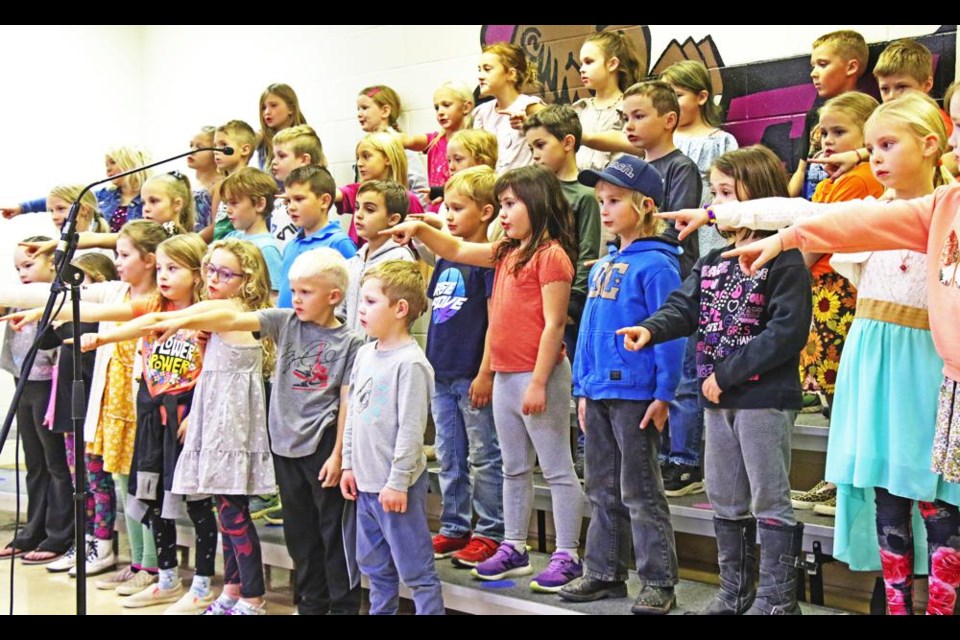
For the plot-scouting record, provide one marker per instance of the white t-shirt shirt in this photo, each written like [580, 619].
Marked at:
[513, 151]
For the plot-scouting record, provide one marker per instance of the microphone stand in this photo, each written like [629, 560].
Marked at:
[70, 278]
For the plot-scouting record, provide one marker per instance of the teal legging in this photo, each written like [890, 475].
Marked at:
[143, 549]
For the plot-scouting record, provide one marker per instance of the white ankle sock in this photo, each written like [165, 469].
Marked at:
[168, 579]
[200, 586]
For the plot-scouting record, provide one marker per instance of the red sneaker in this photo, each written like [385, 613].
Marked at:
[444, 546]
[477, 551]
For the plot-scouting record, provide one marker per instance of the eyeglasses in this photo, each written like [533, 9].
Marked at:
[223, 275]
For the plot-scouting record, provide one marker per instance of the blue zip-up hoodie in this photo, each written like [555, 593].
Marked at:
[625, 288]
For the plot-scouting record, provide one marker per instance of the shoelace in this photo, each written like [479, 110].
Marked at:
[91, 551]
[558, 562]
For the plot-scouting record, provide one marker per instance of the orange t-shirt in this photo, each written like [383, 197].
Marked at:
[858, 184]
[516, 314]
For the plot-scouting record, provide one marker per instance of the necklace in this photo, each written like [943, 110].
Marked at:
[903, 261]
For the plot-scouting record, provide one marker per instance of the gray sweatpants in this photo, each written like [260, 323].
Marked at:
[748, 463]
[525, 438]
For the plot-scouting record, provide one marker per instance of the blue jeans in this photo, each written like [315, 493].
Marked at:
[684, 439]
[397, 546]
[467, 440]
[625, 490]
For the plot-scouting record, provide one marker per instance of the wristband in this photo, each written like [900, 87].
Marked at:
[711, 217]
[861, 158]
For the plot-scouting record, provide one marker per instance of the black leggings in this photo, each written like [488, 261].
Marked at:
[205, 529]
[895, 536]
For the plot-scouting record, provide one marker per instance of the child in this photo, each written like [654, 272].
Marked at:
[249, 194]
[167, 198]
[471, 148]
[838, 61]
[834, 298]
[653, 112]
[279, 109]
[60, 201]
[226, 451]
[381, 204]
[619, 392]
[503, 71]
[315, 354]
[699, 134]
[553, 135]
[378, 111]
[453, 103]
[531, 387]
[883, 426]
[205, 170]
[608, 66]
[750, 331]
[309, 193]
[379, 157]
[457, 350]
[384, 467]
[49, 529]
[118, 202]
[292, 148]
[239, 136]
[170, 371]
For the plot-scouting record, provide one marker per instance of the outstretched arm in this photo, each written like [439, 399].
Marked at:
[478, 254]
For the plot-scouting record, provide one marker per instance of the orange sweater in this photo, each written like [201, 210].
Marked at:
[930, 225]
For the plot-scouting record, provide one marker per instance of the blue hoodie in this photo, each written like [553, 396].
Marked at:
[627, 287]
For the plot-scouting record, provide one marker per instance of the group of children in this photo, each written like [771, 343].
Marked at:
[282, 354]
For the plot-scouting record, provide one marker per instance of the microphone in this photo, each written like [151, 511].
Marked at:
[227, 151]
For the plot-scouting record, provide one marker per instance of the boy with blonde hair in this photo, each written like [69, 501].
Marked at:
[902, 66]
[239, 136]
[293, 147]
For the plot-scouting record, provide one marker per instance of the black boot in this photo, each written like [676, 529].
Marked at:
[779, 560]
[737, 556]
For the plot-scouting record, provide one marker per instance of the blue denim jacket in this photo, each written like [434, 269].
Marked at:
[107, 199]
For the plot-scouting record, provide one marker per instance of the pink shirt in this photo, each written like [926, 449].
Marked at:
[929, 225]
[438, 171]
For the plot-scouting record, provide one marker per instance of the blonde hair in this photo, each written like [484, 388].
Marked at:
[240, 133]
[512, 57]
[648, 226]
[853, 104]
[616, 44]
[98, 267]
[250, 183]
[286, 93]
[462, 92]
[302, 139]
[477, 184]
[176, 185]
[949, 93]
[694, 76]
[144, 235]
[254, 292]
[384, 96]
[69, 194]
[187, 250]
[480, 144]
[128, 158]
[388, 145]
[401, 280]
[849, 45]
[921, 115]
[907, 57]
[321, 263]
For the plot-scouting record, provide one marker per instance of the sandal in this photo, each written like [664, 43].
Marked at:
[10, 551]
[40, 556]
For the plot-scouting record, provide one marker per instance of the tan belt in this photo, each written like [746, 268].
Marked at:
[893, 313]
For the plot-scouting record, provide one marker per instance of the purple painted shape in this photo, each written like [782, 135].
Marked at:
[498, 33]
[498, 584]
[776, 102]
[749, 132]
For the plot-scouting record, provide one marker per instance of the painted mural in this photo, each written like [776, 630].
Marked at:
[764, 102]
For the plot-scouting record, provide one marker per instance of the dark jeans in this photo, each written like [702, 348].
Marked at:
[49, 484]
[242, 562]
[313, 519]
[624, 486]
[684, 440]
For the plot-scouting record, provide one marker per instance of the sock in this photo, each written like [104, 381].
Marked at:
[227, 600]
[168, 579]
[519, 545]
[200, 586]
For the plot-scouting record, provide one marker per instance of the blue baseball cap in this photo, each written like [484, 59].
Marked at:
[629, 172]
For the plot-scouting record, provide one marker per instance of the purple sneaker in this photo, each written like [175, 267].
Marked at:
[561, 570]
[507, 562]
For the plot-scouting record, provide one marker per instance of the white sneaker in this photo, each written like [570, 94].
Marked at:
[153, 596]
[190, 604]
[114, 581]
[100, 558]
[66, 562]
[140, 581]
[246, 609]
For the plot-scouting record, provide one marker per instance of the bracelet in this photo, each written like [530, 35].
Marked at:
[861, 158]
[711, 217]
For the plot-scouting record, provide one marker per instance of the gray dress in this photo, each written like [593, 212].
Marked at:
[227, 451]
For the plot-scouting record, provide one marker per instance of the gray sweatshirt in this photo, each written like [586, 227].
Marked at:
[390, 394]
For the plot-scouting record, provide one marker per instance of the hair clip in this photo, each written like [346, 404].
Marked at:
[373, 92]
[171, 228]
[176, 174]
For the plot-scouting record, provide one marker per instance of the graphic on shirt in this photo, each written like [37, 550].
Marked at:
[310, 368]
[172, 365]
[449, 295]
[606, 281]
[731, 312]
[950, 261]
[362, 399]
